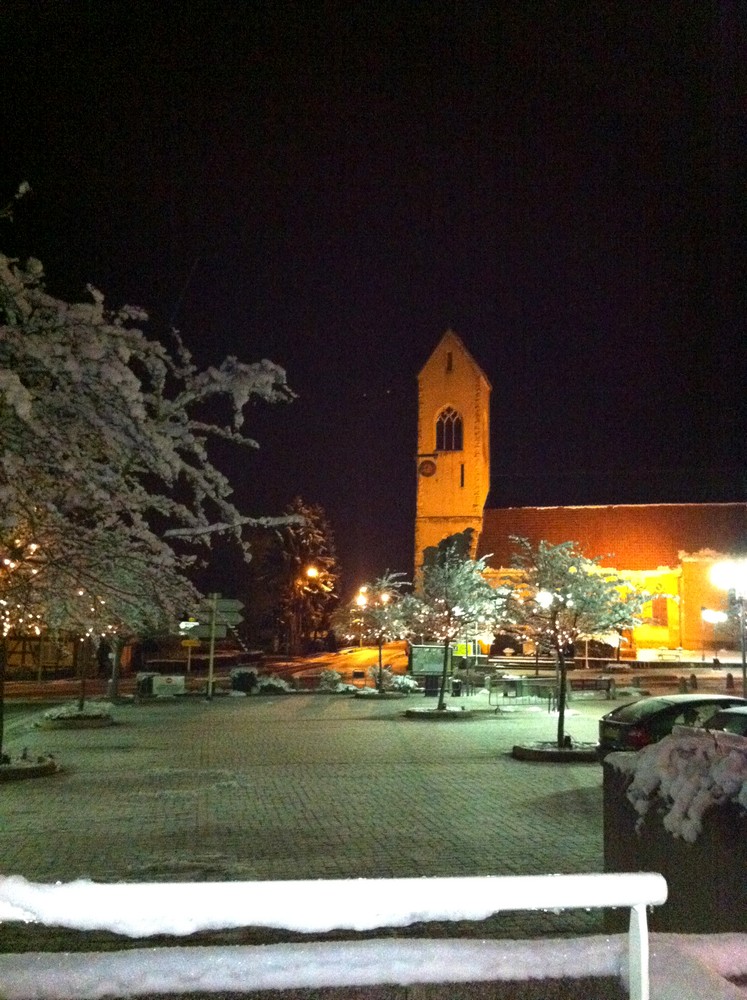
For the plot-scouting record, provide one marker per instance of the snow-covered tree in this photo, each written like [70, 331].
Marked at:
[454, 598]
[559, 596]
[107, 491]
[379, 613]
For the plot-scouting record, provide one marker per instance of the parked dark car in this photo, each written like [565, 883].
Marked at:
[730, 720]
[639, 723]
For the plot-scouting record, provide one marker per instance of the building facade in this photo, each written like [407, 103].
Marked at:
[666, 549]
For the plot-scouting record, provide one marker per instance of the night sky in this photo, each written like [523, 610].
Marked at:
[332, 186]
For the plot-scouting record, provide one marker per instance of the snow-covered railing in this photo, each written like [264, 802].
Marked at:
[144, 909]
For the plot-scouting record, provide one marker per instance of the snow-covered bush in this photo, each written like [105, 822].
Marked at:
[330, 680]
[244, 678]
[382, 679]
[91, 710]
[367, 692]
[402, 682]
[685, 775]
[272, 684]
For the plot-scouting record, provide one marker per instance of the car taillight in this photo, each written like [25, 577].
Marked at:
[638, 738]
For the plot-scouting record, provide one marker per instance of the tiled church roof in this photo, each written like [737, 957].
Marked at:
[624, 536]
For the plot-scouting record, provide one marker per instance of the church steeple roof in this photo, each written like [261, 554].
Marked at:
[458, 343]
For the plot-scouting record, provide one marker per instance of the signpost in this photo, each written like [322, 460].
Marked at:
[219, 613]
[190, 644]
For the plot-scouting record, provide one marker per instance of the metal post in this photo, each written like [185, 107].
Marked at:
[744, 651]
[211, 656]
[638, 954]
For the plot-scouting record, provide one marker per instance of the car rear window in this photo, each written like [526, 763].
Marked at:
[638, 710]
[729, 722]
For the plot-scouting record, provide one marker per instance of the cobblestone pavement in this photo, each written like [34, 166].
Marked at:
[306, 786]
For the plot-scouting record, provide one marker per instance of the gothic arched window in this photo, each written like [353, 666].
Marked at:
[449, 430]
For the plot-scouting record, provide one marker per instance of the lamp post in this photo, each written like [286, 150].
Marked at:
[361, 600]
[713, 618]
[310, 575]
[731, 575]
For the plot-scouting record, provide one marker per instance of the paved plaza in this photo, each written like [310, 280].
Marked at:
[305, 786]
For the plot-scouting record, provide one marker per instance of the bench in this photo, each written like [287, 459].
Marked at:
[668, 655]
[606, 684]
[148, 909]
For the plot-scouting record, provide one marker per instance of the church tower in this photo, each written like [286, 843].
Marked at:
[453, 457]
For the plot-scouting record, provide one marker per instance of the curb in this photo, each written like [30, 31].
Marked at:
[19, 772]
[433, 715]
[76, 722]
[555, 755]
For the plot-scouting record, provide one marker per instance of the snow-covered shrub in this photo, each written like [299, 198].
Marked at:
[403, 682]
[684, 775]
[366, 692]
[386, 680]
[272, 684]
[330, 680]
[244, 678]
[382, 679]
[91, 710]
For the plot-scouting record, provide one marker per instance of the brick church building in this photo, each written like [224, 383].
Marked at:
[666, 548]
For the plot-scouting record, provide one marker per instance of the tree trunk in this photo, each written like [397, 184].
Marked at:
[380, 678]
[441, 706]
[3, 649]
[81, 649]
[562, 683]
[116, 658]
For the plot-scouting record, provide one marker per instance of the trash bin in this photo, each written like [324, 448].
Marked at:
[456, 687]
[432, 684]
[144, 684]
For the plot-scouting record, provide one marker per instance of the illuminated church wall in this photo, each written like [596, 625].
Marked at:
[666, 549]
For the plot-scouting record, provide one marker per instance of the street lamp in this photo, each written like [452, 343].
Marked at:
[732, 575]
[361, 600]
[713, 618]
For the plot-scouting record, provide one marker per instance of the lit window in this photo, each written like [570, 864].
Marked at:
[449, 430]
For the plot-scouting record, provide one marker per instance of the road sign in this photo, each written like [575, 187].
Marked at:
[191, 643]
[226, 604]
[226, 611]
[216, 614]
[228, 618]
[204, 632]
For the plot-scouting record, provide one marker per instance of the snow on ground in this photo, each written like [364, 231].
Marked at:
[682, 968]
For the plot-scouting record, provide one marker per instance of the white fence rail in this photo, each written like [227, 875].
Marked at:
[145, 909]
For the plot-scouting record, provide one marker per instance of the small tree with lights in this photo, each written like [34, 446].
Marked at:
[557, 596]
[379, 613]
[454, 599]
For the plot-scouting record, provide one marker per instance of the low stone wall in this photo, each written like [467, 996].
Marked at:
[707, 880]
